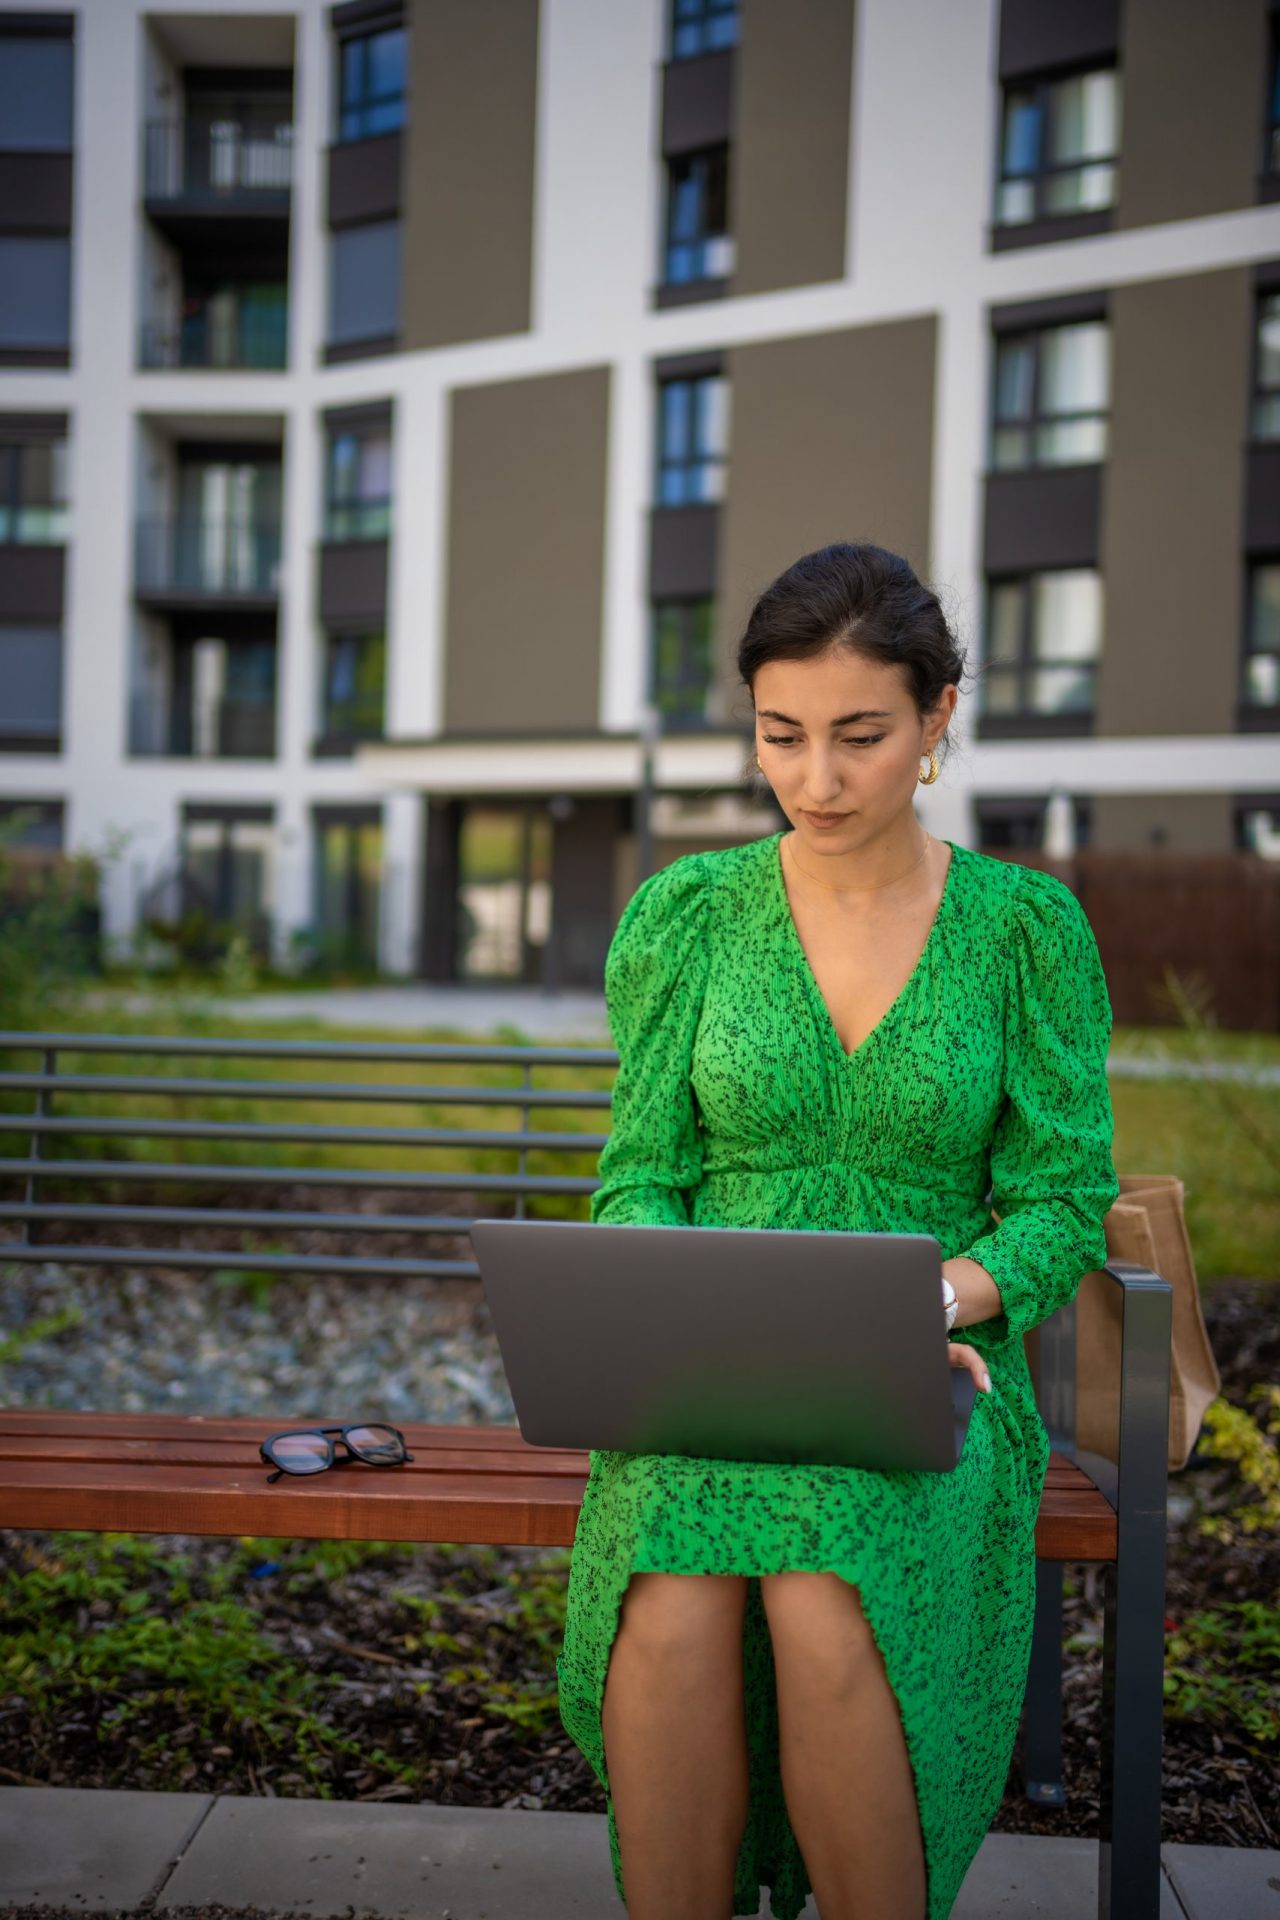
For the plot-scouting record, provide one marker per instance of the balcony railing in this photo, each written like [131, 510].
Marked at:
[204, 159]
[223, 729]
[207, 556]
[209, 339]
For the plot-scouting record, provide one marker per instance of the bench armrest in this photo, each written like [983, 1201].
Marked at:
[1136, 1481]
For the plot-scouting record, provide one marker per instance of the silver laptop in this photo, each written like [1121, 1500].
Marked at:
[726, 1343]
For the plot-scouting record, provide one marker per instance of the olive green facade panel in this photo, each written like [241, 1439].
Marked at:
[1193, 78]
[831, 438]
[1181, 822]
[1172, 546]
[526, 542]
[792, 137]
[467, 217]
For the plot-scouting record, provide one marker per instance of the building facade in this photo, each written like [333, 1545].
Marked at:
[403, 401]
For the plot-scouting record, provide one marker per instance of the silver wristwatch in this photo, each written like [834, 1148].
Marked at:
[950, 1301]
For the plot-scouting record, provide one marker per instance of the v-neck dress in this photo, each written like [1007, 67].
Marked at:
[982, 1089]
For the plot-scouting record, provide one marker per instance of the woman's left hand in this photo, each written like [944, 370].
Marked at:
[961, 1355]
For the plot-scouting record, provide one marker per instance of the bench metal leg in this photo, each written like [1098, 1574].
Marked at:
[1133, 1621]
[1042, 1713]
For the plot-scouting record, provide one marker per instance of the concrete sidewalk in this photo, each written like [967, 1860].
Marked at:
[73, 1850]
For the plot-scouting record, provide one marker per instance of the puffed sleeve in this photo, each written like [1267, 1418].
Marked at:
[1052, 1176]
[654, 978]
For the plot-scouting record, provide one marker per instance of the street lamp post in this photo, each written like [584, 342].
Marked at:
[650, 732]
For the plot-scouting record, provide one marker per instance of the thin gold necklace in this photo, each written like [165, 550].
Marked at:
[831, 888]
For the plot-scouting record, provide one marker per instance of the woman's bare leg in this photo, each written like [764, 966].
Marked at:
[846, 1775]
[674, 1723]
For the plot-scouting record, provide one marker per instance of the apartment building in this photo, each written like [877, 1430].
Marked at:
[402, 401]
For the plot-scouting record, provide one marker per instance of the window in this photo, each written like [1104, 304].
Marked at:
[1258, 825]
[1266, 378]
[1059, 145]
[35, 290]
[680, 658]
[348, 885]
[32, 823]
[699, 245]
[1043, 637]
[364, 288]
[358, 502]
[1271, 162]
[702, 26]
[371, 84]
[227, 870]
[1262, 654]
[354, 689]
[33, 492]
[1052, 391]
[31, 675]
[35, 93]
[693, 430]
[1013, 823]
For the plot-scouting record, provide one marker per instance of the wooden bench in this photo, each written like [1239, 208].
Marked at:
[161, 1473]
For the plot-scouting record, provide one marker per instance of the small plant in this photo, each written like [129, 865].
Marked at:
[1254, 1448]
[237, 970]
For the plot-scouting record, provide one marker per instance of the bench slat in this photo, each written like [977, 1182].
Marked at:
[167, 1473]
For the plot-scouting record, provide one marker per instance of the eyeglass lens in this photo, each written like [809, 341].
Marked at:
[309, 1452]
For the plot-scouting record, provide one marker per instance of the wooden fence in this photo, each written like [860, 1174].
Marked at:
[1212, 918]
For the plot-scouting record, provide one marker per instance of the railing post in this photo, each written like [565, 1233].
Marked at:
[526, 1075]
[35, 1152]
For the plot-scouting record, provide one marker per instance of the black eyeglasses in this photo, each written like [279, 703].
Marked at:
[310, 1450]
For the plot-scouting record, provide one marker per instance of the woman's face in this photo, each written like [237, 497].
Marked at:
[839, 734]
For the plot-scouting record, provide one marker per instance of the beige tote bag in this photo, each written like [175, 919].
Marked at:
[1147, 1224]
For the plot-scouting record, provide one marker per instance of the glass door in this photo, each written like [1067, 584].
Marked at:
[504, 892]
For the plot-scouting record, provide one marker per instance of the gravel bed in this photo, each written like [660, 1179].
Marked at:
[162, 1341]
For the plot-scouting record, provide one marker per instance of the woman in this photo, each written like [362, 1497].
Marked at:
[855, 1026]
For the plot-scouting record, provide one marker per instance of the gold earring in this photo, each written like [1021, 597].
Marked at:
[927, 779]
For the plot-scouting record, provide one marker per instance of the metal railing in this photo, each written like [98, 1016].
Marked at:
[55, 1116]
[226, 556]
[217, 341]
[203, 158]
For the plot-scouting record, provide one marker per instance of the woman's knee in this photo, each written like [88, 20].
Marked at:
[676, 1615]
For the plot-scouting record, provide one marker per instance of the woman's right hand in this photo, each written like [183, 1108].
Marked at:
[961, 1355]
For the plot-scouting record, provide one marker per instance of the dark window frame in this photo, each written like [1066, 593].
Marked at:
[1256, 714]
[1258, 392]
[1244, 804]
[694, 460]
[350, 822]
[1037, 418]
[1270, 168]
[13, 449]
[44, 814]
[695, 675]
[692, 23]
[367, 103]
[345, 520]
[1025, 720]
[342, 725]
[1042, 86]
[1015, 809]
[713, 163]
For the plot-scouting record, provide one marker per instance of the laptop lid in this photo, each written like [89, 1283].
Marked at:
[734, 1343]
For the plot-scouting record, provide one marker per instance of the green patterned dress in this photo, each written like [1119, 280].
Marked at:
[735, 1105]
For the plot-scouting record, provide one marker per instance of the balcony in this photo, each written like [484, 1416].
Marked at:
[218, 729]
[182, 562]
[216, 337]
[204, 168]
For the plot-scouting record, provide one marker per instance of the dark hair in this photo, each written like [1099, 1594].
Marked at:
[861, 597]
